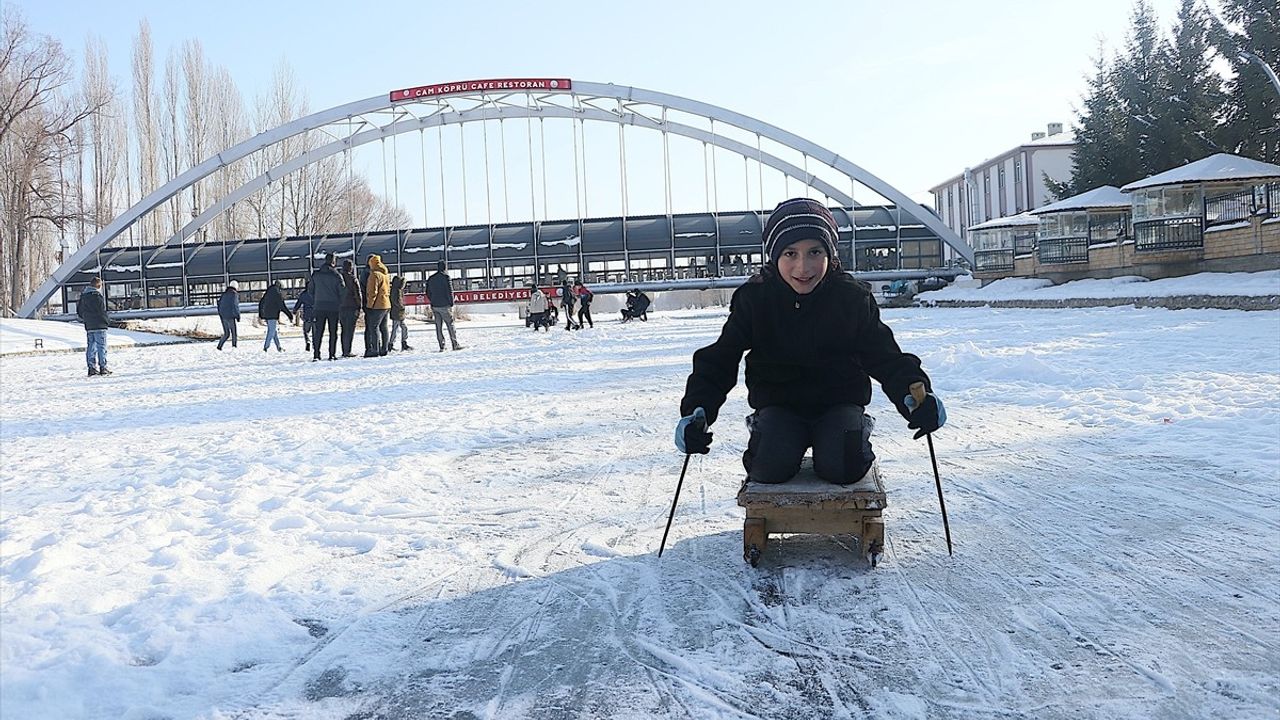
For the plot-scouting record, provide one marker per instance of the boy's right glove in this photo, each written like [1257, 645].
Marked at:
[692, 435]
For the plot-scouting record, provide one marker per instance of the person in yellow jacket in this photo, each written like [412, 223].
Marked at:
[377, 305]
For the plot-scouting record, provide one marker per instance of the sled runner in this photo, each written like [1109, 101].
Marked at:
[808, 504]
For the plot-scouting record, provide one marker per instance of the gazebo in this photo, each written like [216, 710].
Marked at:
[997, 243]
[1172, 209]
[1070, 228]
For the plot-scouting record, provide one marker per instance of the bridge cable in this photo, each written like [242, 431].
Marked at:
[466, 205]
[533, 193]
[622, 170]
[422, 153]
[395, 174]
[488, 201]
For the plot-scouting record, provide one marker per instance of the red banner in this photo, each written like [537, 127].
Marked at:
[481, 296]
[473, 86]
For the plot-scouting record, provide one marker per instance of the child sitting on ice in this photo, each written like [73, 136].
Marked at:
[815, 340]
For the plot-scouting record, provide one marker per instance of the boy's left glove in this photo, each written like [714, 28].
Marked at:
[927, 413]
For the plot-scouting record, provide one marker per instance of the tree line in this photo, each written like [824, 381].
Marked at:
[1164, 101]
[76, 150]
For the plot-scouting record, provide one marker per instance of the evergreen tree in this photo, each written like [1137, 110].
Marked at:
[1100, 156]
[1139, 85]
[1252, 113]
[1192, 100]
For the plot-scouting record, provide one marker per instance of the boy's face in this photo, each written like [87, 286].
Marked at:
[803, 264]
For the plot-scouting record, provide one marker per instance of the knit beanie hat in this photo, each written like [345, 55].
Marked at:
[800, 219]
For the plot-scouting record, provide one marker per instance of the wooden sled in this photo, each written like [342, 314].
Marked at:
[808, 504]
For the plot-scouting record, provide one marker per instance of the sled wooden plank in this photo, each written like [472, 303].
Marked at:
[807, 490]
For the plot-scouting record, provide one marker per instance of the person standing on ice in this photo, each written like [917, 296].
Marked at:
[269, 309]
[329, 288]
[585, 297]
[814, 339]
[304, 309]
[91, 308]
[377, 338]
[229, 313]
[397, 315]
[440, 295]
[567, 301]
[538, 308]
[349, 310]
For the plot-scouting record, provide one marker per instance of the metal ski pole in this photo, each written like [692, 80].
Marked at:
[674, 500]
[917, 392]
[699, 420]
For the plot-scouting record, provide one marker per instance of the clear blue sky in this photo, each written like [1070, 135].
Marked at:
[911, 91]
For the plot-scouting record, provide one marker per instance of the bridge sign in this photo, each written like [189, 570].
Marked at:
[473, 86]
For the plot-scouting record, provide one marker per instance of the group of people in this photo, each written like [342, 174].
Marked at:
[571, 295]
[335, 299]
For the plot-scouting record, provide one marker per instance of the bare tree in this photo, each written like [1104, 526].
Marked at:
[39, 115]
[146, 129]
[171, 141]
[106, 133]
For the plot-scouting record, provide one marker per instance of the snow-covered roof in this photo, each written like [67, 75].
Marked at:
[1011, 221]
[1107, 196]
[1222, 167]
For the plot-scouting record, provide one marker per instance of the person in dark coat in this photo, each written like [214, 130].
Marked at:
[304, 309]
[349, 310]
[229, 313]
[637, 306]
[91, 308]
[328, 288]
[814, 340]
[585, 297]
[567, 300]
[269, 309]
[397, 315]
[440, 295]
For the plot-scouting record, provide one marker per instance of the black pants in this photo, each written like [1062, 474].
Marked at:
[324, 319]
[228, 331]
[585, 314]
[347, 318]
[377, 338]
[840, 436]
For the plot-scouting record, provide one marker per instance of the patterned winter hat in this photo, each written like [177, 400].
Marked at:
[800, 219]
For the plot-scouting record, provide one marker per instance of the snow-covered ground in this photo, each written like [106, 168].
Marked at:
[473, 534]
[1212, 284]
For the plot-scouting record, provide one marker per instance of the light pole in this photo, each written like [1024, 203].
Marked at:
[1271, 74]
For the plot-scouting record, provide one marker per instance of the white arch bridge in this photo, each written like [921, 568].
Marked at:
[660, 247]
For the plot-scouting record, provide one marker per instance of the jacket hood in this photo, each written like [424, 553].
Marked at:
[397, 282]
[375, 263]
[90, 289]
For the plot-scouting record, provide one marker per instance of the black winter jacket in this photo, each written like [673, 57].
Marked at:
[397, 298]
[326, 287]
[439, 290]
[353, 297]
[91, 308]
[806, 351]
[229, 305]
[272, 304]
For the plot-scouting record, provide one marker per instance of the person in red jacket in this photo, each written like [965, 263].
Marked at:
[814, 340]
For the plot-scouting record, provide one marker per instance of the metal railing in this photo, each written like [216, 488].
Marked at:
[993, 260]
[1240, 205]
[1063, 250]
[1184, 233]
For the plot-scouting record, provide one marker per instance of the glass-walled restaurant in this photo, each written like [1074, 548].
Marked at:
[997, 243]
[597, 250]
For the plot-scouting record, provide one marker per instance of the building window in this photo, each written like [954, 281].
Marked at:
[986, 194]
[951, 208]
[1004, 202]
[1018, 205]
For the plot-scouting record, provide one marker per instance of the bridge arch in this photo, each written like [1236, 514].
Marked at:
[582, 93]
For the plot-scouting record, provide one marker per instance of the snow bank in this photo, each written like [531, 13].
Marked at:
[1211, 284]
